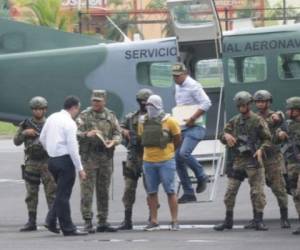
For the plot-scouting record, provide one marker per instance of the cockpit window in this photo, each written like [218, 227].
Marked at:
[190, 14]
[247, 69]
[156, 74]
[209, 73]
[289, 66]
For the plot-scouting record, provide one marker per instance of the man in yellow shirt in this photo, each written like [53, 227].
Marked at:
[160, 138]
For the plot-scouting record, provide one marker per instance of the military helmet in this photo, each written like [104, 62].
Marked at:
[143, 94]
[262, 95]
[38, 102]
[293, 103]
[242, 97]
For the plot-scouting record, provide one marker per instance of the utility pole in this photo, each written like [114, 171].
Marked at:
[284, 11]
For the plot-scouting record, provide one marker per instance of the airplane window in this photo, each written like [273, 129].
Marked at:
[289, 66]
[161, 75]
[157, 74]
[188, 13]
[247, 69]
[210, 73]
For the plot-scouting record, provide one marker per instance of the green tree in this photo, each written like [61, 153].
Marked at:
[167, 30]
[4, 9]
[123, 20]
[45, 13]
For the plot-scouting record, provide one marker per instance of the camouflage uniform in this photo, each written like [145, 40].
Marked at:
[34, 170]
[133, 167]
[292, 155]
[244, 165]
[97, 160]
[274, 168]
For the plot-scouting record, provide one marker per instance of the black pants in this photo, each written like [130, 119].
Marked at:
[63, 171]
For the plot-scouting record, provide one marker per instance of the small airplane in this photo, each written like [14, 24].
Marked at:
[50, 63]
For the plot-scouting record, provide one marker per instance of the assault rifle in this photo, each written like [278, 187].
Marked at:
[29, 124]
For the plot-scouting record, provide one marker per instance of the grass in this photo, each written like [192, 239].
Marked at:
[7, 128]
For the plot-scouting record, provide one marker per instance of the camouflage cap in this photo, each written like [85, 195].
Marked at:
[143, 94]
[242, 97]
[98, 95]
[178, 69]
[293, 103]
[38, 102]
[262, 95]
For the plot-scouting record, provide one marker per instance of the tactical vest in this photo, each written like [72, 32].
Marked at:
[33, 148]
[154, 135]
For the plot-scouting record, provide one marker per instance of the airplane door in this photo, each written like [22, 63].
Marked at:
[196, 22]
[199, 38]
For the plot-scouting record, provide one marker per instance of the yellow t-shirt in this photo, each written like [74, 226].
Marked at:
[157, 154]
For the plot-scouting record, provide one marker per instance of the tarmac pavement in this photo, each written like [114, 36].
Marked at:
[196, 219]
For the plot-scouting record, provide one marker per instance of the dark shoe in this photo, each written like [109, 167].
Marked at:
[75, 233]
[284, 221]
[152, 227]
[125, 225]
[101, 228]
[28, 227]
[222, 226]
[259, 224]
[52, 228]
[251, 225]
[31, 224]
[88, 227]
[202, 184]
[227, 224]
[186, 198]
[297, 231]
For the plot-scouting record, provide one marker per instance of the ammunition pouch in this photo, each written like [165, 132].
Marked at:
[237, 174]
[35, 151]
[30, 177]
[130, 173]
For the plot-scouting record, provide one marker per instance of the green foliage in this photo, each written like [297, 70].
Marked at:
[7, 128]
[45, 13]
[4, 11]
[123, 20]
[158, 5]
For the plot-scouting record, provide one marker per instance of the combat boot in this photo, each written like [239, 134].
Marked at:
[227, 224]
[88, 227]
[127, 222]
[284, 221]
[31, 224]
[251, 224]
[259, 224]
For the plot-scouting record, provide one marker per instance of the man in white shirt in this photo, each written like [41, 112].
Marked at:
[58, 137]
[190, 92]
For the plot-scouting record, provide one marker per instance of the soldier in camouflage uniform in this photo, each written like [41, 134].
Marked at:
[98, 134]
[133, 167]
[291, 149]
[273, 159]
[35, 168]
[248, 137]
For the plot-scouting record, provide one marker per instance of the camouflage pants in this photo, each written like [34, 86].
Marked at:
[98, 177]
[256, 180]
[275, 180]
[39, 169]
[294, 179]
[131, 177]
